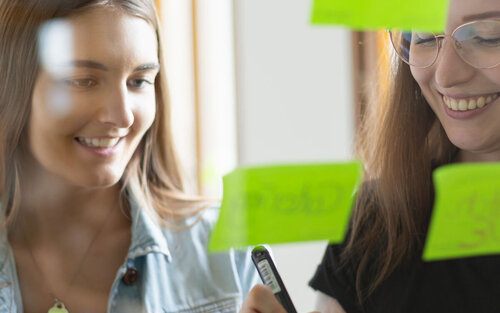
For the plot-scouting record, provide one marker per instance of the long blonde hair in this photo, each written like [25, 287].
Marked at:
[400, 141]
[152, 177]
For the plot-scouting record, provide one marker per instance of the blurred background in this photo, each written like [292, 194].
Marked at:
[252, 82]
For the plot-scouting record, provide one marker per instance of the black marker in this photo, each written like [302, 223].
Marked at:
[269, 274]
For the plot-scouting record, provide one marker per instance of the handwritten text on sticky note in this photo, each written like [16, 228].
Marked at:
[278, 204]
[466, 216]
[424, 15]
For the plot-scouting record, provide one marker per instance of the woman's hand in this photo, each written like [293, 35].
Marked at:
[262, 300]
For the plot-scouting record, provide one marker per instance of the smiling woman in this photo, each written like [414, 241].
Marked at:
[95, 217]
[106, 96]
[441, 107]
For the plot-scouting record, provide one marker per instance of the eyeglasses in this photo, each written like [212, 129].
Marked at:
[477, 43]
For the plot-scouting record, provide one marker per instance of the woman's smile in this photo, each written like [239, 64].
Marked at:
[106, 87]
[464, 107]
[101, 146]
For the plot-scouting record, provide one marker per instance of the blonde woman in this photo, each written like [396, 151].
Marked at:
[94, 213]
[442, 107]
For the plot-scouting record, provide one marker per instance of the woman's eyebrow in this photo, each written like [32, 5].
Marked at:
[148, 66]
[100, 66]
[468, 18]
[88, 63]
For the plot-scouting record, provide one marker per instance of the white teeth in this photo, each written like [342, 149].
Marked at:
[468, 104]
[454, 105]
[448, 102]
[472, 104]
[462, 105]
[98, 142]
[480, 102]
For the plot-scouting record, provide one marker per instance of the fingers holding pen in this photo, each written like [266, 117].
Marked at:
[261, 300]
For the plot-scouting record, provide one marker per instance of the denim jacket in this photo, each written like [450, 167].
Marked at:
[175, 273]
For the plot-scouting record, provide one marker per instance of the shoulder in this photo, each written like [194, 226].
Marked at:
[175, 257]
[222, 275]
[209, 217]
[199, 224]
[336, 279]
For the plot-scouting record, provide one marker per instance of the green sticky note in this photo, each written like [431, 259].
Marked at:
[466, 217]
[424, 15]
[287, 203]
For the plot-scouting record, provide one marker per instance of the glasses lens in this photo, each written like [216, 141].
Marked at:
[415, 48]
[478, 43]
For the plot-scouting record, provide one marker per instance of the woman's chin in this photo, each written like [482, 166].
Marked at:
[467, 139]
[476, 150]
[100, 180]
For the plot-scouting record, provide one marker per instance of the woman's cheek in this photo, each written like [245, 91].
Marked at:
[422, 76]
[493, 75]
[144, 114]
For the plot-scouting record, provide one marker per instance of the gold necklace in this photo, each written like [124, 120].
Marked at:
[59, 306]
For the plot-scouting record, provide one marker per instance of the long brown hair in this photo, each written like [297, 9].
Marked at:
[152, 177]
[399, 142]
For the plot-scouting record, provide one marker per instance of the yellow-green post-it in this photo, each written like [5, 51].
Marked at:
[287, 203]
[466, 216]
[424, 15]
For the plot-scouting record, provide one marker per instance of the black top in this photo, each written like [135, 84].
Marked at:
[461, 285]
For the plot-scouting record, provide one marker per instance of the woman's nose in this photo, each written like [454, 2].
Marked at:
[116, 108]
[451, 69]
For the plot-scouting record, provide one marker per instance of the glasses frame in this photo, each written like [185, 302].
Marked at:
[440, 39]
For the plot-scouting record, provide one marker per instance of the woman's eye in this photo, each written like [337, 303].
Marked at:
[81, 83]
[139, 83]
[424, 40]
[492, 42]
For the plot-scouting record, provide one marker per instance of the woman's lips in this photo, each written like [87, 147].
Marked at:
[101, 146]
[468, 103]
[467, 107]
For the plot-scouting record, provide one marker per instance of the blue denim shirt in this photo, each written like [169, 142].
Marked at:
[175, 271]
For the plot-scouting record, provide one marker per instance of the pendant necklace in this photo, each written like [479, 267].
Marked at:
[59, 306]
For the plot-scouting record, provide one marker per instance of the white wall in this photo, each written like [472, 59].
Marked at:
[294, 104]
[216, 93]
[177, 29]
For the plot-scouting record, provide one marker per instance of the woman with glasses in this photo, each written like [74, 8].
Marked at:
[442, 107]
[93, 213]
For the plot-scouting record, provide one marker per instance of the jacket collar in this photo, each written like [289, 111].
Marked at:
[8, 283]
[147, 235]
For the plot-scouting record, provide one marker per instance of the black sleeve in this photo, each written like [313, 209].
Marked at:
[336, 281]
